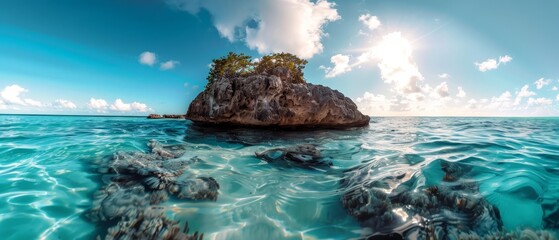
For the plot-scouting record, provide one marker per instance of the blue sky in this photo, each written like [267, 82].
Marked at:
[489, 58]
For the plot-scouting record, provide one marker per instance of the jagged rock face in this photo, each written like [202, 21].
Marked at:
[269, 101]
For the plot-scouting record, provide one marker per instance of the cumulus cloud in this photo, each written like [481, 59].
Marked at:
[397, 65]
[168, 65]
[32, 103]
[394, 57]
[501, 102]
[523, 93]
[554, 88]
[442, 90]
[444, 75]
[294, 26]
[119, 105]
[147, 58]
[539, 101]
[98, 104]
[61, 103]
[341, 65]
[491, 64]
[505, 59]
[372, 22]
[11, 96]
[461, 92]
[373, 104]
[540, 83]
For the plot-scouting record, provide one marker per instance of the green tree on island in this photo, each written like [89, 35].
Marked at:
[239, 65]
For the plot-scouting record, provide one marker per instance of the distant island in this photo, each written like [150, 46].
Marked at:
[269, 92]
[172, 116]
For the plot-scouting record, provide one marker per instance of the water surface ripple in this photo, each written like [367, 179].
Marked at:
[48, 173]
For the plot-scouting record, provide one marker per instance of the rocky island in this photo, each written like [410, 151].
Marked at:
[272, 93]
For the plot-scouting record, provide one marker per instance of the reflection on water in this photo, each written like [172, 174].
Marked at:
[483, 174]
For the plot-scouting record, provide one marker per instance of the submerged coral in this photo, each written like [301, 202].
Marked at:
[151, 224]
[138, 182]
[452, 210]
[306, 155]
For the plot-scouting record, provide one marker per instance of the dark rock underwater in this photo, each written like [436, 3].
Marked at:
[390, 207]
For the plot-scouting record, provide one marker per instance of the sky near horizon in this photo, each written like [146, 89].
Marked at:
[393, 58]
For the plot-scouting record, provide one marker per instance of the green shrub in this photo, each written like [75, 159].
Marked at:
[239, 65]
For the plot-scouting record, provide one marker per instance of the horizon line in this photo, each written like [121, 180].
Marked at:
[382, 116]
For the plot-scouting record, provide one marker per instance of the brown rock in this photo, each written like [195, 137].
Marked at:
[154, 116]
[175, 116]
[269, 101]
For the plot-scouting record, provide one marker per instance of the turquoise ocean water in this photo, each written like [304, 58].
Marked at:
[48, 173]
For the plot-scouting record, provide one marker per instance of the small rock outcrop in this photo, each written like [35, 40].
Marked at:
[273, 100]
[173, 116]
[154, 116]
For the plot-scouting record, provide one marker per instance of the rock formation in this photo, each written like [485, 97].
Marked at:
[273, 100]
[137, 183]
[172, 116]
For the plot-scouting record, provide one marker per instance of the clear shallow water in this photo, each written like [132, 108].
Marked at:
[48, 172]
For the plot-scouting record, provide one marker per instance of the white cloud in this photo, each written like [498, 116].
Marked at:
[524, 92]
[505, 59]
[341, 65]
[294, 26]
[147, 58]
[32, 103]
[442, 90]
[501, 102]
[64, 104]
[119, 105]
[444, 75]
[557, 98]
[168, 65]
[539, 101]
[487, 65]
[373, 104]
[472, 104]
[542, 82]
[98, 104]
[11, 96]
[11, 93]
[554, 88]
[461, 92]
[491, 64]
[397, 67]
[372, 22]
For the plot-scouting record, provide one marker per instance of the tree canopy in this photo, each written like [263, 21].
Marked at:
[240, 65]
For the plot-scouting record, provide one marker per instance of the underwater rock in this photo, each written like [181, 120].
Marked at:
[138, 182]
[270, 100]
[435, 212]
[166, 152]
[150, 224]
[196, 189]
[453, 171]
[116, 201]
[306, 155]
